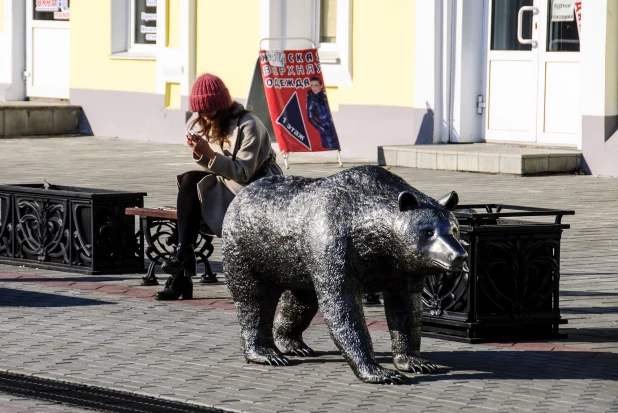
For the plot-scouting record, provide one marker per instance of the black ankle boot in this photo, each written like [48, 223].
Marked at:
[177, 286]
[184, 259]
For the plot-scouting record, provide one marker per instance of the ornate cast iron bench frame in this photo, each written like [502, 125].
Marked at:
[158, 225]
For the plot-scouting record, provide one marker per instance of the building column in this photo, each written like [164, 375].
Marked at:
[468, 67]
[13, 50]
[599, 87]
[176, 39]
[428, 66]
[448, 70]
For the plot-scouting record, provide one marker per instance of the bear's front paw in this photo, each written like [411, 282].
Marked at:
[380, 375]
[264, 355]
[296, 347]
[414, 364]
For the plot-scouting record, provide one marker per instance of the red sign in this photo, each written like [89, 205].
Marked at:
[62, 15]
[46, 5]
[578, 17]
[297, 101]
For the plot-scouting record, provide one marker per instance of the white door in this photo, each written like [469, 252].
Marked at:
[533, 79]
[48, 48]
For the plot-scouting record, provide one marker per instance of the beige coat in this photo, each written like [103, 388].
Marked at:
[229, 176]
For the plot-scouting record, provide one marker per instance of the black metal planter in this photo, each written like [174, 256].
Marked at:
[71, 229]
[509, 289]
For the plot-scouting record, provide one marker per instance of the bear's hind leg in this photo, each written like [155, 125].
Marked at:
[256, 303]
[296, 310]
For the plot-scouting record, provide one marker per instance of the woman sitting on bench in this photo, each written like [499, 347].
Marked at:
[233, 148]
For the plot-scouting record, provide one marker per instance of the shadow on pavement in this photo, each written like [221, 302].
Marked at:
[217, 266]
[588, 310]
[567, 293]
[537, 365]
[76, 279]
[18, 298]
[591, 335]
[500, 364]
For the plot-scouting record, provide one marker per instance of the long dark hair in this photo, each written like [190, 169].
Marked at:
[217, 129]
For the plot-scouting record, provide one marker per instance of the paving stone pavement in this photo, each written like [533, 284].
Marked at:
[108, 331]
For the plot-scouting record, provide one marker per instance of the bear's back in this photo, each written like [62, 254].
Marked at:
[296, 202]
[361, 182]
[282, 225]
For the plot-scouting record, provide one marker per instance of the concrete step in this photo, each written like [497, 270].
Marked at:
[39, 118]
[482, 157]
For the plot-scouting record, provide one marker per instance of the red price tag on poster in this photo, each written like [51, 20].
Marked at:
[297, 101]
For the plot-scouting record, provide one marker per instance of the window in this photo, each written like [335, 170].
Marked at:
[563, 25]
[504, 25]
[334, 40]
[143, 24]
[327, 32]
[58, 10]
[328, 21]
[134, 29]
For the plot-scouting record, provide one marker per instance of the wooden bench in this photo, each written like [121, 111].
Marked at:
[158, 225]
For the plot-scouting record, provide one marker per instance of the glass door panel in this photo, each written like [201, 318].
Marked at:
[504, 22]
[48, 46]
[559, 113]
[563, 25]
[512, 71]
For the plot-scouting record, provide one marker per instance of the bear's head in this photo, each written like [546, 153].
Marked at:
[429, 234]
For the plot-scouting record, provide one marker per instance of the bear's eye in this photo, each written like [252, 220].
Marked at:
[429, 233]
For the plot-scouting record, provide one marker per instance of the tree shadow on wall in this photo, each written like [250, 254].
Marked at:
[426, 129]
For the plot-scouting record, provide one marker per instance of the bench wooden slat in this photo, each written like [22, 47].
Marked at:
[157, 252]
[165, 212]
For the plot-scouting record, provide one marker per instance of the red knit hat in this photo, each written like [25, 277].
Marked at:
[209, 93]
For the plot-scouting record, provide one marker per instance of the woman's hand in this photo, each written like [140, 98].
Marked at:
[200, 146]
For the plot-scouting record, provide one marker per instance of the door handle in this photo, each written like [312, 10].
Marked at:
[520, 15]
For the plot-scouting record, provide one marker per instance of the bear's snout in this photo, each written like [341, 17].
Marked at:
[448, 253]
[458, 259]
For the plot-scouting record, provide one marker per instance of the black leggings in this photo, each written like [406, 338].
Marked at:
[189, 209]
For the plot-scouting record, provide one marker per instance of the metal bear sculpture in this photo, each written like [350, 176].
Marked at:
[309, 244]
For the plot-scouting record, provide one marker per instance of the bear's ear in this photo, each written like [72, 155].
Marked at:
[449, 201]
[407, 201]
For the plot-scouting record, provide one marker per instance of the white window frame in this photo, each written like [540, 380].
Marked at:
[336, 58]
[279, 20]
[65, 8]
[138, 47]
[123, 34]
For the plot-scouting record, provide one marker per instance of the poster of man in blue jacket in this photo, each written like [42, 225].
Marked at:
[319, 115]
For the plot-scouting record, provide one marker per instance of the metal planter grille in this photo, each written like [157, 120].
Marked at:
[509, 289]
[72, 229]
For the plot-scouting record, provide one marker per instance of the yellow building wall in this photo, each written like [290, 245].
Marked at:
[91, 66]
[382, 54]
[173, 24]
[382, 49]
[228, 41]
[1, 15]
